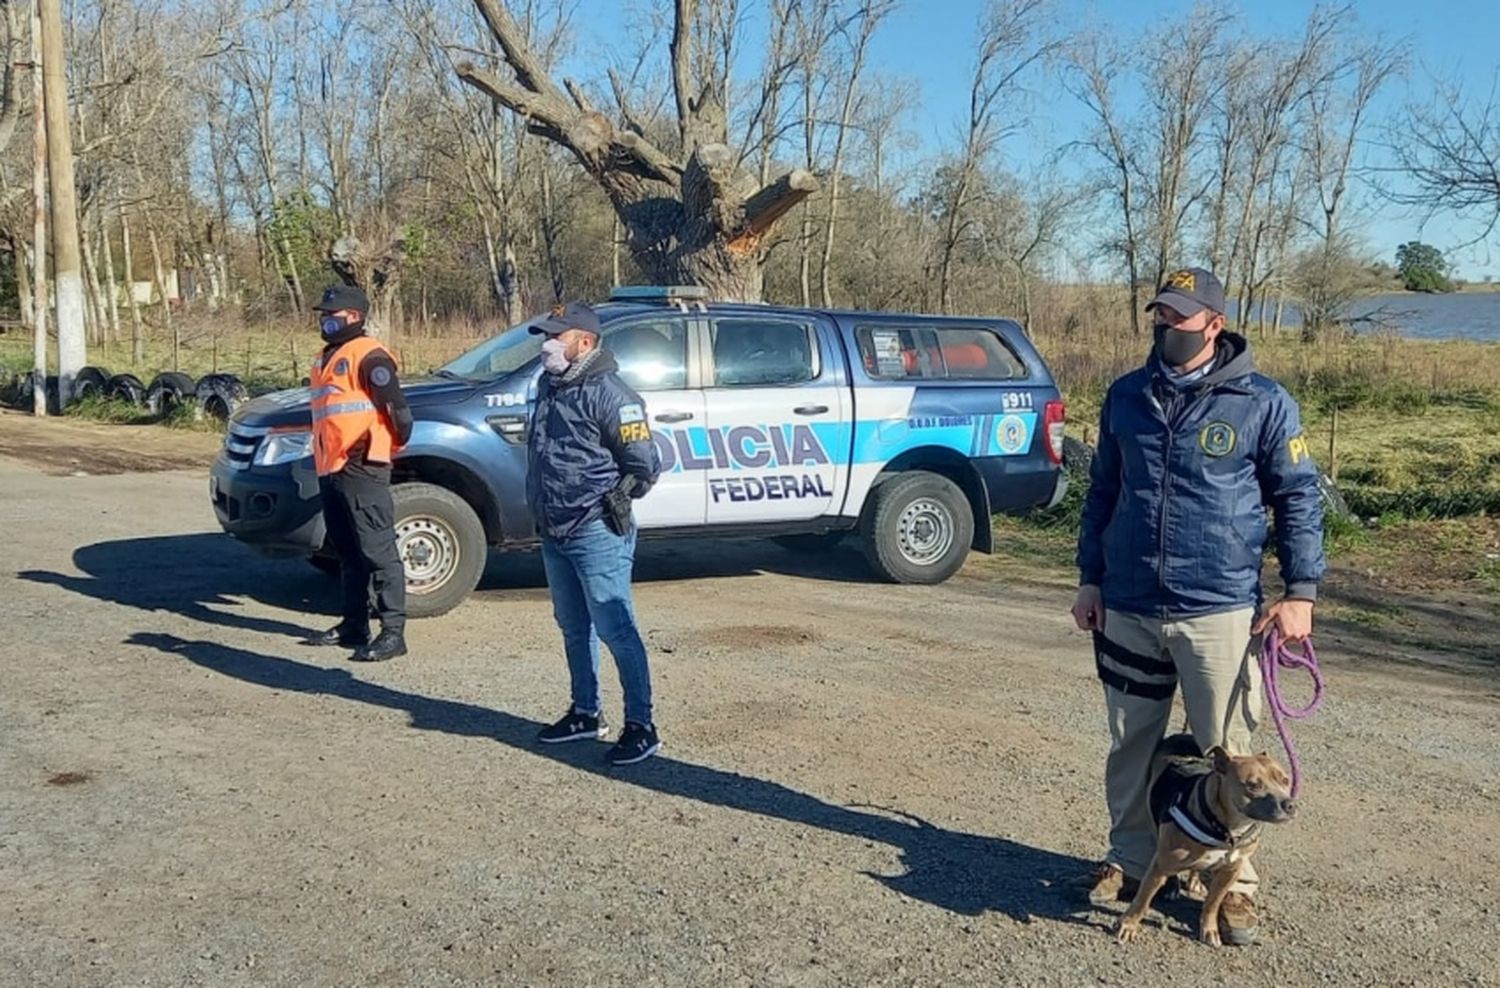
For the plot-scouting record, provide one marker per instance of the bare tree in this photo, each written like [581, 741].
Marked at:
[1449, 153]
[1228, 125]
[1285, 83]
[812, 18]
[690, 217]
[1049, 207]
[1011, 40]
[1180, 92]
[1096, 70]
[1336, 116]
[857, 30]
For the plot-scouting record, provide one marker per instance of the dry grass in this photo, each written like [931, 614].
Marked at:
[267, 356]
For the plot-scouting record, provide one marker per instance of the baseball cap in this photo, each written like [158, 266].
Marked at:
[1190, 291]
[337, 297]
[574, 315]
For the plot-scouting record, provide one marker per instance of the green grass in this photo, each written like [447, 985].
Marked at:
[185, 417]
[1487, 574]
[1376, 617]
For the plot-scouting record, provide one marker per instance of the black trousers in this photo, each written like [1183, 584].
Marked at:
[361, 519]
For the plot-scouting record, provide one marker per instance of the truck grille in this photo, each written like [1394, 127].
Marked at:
[241, 443]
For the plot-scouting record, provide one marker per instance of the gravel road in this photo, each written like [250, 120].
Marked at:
[862, 784]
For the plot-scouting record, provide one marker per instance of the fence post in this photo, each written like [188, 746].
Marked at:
[1333, 447]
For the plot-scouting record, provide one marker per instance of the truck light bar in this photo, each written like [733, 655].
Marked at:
[658, 293]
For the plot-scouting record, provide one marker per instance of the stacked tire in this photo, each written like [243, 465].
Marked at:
[169, 391]
[127, 388]
[29, 384]
[91, 382]
[218, 395]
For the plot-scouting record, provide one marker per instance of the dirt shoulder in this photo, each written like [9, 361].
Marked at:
[63, 446]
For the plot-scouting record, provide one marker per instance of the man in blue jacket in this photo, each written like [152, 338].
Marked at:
[588, 454]
[1194, 447]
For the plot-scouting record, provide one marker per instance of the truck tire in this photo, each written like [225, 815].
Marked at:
[1077, 456]
[442, 545]
[127, 388]
[1334, 505]
[917, 528]
[167, 391]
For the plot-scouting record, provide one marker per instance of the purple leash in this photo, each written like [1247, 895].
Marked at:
[1274, 657]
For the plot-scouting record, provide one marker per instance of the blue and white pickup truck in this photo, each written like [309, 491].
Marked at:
[801, 424]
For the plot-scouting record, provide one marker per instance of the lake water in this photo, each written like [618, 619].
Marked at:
[1458, 315]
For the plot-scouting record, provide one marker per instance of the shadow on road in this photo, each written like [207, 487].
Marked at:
[964, 873]
[200, 575]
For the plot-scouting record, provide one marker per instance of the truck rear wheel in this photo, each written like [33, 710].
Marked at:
[917, 528]
[442, 545]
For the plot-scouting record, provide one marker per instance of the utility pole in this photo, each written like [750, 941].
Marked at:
[67, 271]
[39, 218]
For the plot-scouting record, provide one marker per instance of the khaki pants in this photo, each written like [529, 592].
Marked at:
[1142, 661]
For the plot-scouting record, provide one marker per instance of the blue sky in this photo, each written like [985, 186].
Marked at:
[931, 43]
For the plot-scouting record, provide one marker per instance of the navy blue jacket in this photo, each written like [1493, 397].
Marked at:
[1176, 522]
[585, 435]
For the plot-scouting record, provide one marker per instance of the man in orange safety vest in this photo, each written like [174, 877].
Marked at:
[360, 420]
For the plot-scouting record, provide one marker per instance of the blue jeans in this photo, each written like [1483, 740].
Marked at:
[589, 575]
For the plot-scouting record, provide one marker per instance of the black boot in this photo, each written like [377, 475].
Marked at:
[340, 634]
[387, 645]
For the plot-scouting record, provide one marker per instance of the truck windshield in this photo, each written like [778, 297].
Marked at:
[501, 354]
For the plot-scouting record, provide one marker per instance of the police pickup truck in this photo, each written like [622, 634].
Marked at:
[801, 424]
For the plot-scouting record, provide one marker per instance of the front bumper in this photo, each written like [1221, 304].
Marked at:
[275, 510]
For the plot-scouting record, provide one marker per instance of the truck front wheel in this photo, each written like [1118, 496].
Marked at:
[442, 545]
[917, 528]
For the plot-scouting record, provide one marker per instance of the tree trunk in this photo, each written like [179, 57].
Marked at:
[137, 326]
[510, 283]
[615, 235]
[804, 263]
[695, 221]
[72, 350]
[1025, 300]
[493, 257]
[112, 300]
[93, 294]
[22, 256]
[549, 237]
[39, 222]
[376, 268]
[161, 286]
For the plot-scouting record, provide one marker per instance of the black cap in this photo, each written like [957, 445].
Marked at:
[1190, 291]
[337, 297]
[574, 315]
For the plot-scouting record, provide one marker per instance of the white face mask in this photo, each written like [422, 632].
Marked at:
[555, 356]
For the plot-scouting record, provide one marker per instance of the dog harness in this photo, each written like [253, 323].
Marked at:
[1181, 795]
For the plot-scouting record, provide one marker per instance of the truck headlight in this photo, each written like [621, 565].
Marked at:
[284, 447]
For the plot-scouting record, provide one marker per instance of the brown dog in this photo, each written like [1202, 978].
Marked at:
[1208, 811]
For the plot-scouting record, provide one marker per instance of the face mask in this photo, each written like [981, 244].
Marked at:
[1178, 346]
[334, 326]
[555, 356]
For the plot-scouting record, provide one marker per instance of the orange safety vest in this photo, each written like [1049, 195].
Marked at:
[343, 412]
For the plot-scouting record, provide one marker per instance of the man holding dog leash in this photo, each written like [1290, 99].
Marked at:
[1193, 448]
